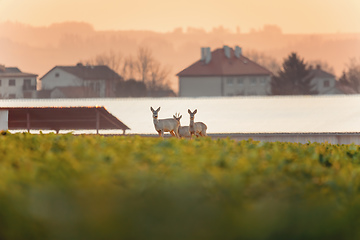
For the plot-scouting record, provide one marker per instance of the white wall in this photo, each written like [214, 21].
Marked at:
[64, 79]
[4, 120]
[199, 86]
[6, 91]
[247, 85]
[224, 86]
[319, 85]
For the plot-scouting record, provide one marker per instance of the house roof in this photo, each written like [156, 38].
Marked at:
[62, 118]
[319, 73]
[99, 72]
[220, 65]
[14, 72]
[76, 92]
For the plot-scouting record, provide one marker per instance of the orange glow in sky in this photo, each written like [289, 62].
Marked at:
[295, 16]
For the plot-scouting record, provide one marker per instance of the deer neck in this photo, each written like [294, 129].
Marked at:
[191, 126]
[156, 121]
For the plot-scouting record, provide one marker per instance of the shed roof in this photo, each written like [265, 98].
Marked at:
[62, 118]
[221, 65]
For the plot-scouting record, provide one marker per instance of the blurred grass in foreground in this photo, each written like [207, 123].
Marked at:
[94, 187]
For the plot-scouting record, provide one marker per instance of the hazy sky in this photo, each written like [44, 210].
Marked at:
[293, 16]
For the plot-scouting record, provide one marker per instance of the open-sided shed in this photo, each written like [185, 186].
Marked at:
[61, 118]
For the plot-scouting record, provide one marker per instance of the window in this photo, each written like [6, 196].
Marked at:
[97, 87]
[229, 81]
[27, 84]
[326, 83]
[240, 81]
[253, 81]
[57, 74]
[12, 82]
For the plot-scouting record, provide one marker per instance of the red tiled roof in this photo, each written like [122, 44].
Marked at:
[220, 65]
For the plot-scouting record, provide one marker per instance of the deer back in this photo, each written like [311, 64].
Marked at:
[168, 124]
[184, 131]
[200, 127]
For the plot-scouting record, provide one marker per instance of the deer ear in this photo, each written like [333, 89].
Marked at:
[151, 109]
[189, 111]
[174, 116]
[180, 117]
[158, 109]
[195, 111]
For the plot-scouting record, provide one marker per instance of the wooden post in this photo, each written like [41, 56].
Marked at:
[28, 121]
[97, 121]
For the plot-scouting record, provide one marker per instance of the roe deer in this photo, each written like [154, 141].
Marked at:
[197, 128]
[183, 130]
[165, 125]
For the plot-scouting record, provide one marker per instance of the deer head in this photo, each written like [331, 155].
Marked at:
[155, 112]
[177, 117]
[192, 114]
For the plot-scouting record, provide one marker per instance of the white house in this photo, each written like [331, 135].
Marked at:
[16, 84]
[80, 81]
[224, 72]
[324, 82]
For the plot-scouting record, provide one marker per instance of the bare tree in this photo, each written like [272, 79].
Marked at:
[150, 70]
[351, 76]
[111, 59]
[144, 68]
[128, 68]
[264, 60]
[158, 77]
[143, 63]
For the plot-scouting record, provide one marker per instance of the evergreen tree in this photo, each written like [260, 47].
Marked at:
[293, 79]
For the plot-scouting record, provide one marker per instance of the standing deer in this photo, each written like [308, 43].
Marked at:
[183, 130]
[196, 128]
[165, 125]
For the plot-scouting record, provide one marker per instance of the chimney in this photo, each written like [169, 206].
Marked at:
[207, 55]
[227, 51]
[237, 51]
[203, 54]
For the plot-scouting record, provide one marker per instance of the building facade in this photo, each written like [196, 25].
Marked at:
[224, 72]
[16, 84]
[90, 81]
[324, 82]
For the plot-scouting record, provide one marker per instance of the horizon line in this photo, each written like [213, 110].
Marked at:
[183, 29]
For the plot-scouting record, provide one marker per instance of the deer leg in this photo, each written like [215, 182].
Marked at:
[177, 133]
[172, 133]
[159, 133]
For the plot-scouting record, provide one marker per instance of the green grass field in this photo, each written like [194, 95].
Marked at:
[94, 187]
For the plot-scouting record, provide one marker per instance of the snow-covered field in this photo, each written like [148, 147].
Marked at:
[339, 113]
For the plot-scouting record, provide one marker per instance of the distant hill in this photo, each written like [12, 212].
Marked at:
[38, 49]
